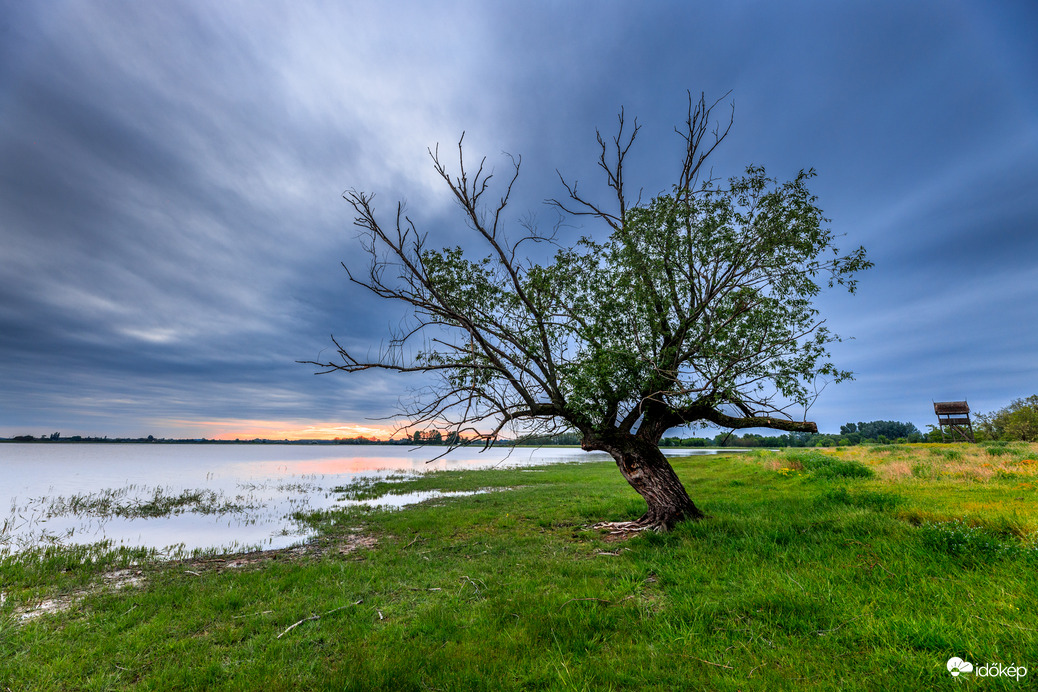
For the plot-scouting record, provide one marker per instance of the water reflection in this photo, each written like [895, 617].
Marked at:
[181, 498]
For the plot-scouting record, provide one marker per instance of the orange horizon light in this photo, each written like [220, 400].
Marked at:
[250, 429]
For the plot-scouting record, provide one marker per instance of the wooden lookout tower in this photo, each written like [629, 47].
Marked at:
[954, 420]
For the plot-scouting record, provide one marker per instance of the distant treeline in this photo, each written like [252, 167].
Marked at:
[1018, 421]
[879, 431]
[57, 437]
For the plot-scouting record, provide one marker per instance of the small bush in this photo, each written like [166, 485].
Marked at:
[926, 471]
[827, 467]
[970, 544]
[997, 449]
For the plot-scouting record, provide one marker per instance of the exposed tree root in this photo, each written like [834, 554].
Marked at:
[643, 523]
[629, 528]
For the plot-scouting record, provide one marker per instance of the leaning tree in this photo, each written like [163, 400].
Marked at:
[695, 307]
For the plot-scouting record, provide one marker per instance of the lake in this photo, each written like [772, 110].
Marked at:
[180, 498]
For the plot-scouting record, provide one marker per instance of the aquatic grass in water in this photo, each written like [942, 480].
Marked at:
[137, 515]
[161, 503]
[208, 496]
[291, 511]
[369, 488]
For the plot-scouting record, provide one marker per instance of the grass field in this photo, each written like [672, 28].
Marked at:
[859, 568]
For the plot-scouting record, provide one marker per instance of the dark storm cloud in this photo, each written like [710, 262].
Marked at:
[170, 177]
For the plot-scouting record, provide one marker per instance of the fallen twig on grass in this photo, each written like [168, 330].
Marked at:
[465, 579]
[416, 537]
[719, 665]
[316, 617]
[795, 582]
[297, 624]
[711, 663]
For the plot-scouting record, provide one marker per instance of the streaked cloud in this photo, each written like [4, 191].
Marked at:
[170, 179]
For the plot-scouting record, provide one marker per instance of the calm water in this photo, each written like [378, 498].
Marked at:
[64, 493]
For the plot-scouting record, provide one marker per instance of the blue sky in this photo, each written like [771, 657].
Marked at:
[171, 221]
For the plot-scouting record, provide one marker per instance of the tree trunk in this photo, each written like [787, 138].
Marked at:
[651, 475]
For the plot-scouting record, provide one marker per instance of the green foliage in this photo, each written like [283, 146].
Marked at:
[568, 439]
[686, 308]
[754, 440]
[881, 431]
[1018, 421]
[651, 294]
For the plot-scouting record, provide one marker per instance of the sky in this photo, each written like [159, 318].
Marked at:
[171, 173]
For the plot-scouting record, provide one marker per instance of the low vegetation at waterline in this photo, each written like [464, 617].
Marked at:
[857, 568]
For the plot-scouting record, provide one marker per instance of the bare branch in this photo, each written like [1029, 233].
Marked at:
[693, 307]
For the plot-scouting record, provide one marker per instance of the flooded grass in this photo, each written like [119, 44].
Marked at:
[129, 514]
[162, 502]
[177, 500]
[107, 519]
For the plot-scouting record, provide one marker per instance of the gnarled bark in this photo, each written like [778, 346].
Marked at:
[650, 474]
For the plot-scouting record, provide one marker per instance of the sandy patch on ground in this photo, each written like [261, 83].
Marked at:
[110, 581]
[129, 578]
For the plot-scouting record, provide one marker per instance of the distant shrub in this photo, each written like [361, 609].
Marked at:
[950, 454]
[823, 466]
[1018, 421]
[926, 471]
[971, 544]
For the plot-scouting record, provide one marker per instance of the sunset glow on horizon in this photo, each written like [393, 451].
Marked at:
[246, 429]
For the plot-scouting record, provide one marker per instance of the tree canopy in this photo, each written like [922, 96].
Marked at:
[1017, 421]
[887, 429]
[694, 306]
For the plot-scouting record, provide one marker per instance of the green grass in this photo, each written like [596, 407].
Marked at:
[815, 570]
